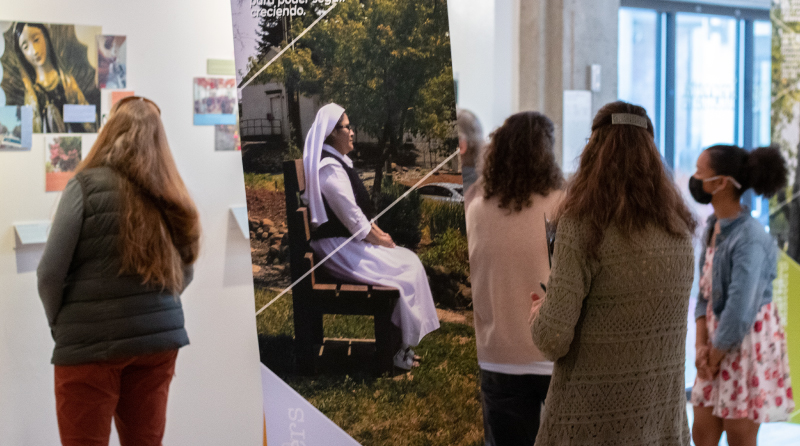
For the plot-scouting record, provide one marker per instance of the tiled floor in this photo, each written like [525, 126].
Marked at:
[770, 434]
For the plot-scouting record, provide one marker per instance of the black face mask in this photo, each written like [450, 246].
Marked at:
[696, 189]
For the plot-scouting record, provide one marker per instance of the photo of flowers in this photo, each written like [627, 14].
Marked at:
[62, 156]
[388, 64]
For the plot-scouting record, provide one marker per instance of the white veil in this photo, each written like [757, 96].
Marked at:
[323, 125]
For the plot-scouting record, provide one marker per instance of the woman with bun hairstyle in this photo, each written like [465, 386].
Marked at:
[742, 365]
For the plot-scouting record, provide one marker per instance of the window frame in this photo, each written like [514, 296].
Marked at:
[666, 47]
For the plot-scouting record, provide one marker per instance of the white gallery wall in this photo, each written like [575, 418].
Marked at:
[484, 37]
[215, 397]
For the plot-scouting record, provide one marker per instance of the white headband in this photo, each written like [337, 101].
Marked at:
[629, 119]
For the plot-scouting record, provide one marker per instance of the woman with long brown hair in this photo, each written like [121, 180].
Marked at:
[614, 316]
[119, 254]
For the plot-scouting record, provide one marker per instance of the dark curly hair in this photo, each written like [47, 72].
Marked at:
[622, 181]
[520, 161]
[763, 169]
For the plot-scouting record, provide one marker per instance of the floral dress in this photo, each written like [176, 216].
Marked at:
[753, 380]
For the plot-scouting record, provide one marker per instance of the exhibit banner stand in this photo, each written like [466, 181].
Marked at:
[290, 419]
[786, 290]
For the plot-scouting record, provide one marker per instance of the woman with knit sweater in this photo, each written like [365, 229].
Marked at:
[506, 234]
[614, 316]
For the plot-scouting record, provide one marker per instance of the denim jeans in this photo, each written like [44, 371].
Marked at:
[512, 405]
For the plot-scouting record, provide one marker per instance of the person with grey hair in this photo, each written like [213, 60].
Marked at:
[470, 147]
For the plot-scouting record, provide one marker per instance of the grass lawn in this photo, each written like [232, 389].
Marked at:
[436, 404]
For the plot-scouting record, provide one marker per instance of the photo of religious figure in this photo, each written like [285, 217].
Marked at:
[214, 101]
[52, 69]
[16, 127]
[112, 66]
[334, 131]
[62, 156]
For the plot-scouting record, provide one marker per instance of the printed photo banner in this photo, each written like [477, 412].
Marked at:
[785, 219]
[214, 101]
[329, 342]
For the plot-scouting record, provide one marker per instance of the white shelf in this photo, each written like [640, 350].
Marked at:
[32, 232]
[240, 214]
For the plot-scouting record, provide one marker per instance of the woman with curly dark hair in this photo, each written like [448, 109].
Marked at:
[508, 256]
[614, 317]
[742, 365]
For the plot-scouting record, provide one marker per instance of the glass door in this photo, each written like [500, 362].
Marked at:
[705, 90]
[637, 58]
[706, 67]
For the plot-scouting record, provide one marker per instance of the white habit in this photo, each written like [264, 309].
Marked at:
[363, 262]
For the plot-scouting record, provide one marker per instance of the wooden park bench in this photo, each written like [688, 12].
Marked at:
[314, 296]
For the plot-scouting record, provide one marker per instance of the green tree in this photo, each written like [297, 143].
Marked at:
[388, 63]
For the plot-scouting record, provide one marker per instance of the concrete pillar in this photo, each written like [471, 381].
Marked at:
[505, 60]
[559, 40]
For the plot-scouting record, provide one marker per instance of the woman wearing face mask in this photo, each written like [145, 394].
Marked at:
[742, 366]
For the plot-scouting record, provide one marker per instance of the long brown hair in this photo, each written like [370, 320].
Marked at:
[520, 161]
[159, 223]
[622, 181]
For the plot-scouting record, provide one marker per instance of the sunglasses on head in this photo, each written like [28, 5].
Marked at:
[137, 98]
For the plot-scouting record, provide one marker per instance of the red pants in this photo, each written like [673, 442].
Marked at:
[133, 391]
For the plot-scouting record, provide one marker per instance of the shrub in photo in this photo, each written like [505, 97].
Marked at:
[402, 221]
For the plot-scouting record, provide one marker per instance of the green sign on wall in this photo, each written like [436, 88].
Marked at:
[786, 289]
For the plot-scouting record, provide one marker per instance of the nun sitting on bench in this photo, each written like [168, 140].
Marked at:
[340, 207]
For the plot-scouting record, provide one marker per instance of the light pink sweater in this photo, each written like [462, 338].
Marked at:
[507, 260]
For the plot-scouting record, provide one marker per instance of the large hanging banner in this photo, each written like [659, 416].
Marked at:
[786, 289]
[785, 219]
[329, 345]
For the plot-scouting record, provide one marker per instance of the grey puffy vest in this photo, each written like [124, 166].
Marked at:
[105, 315]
